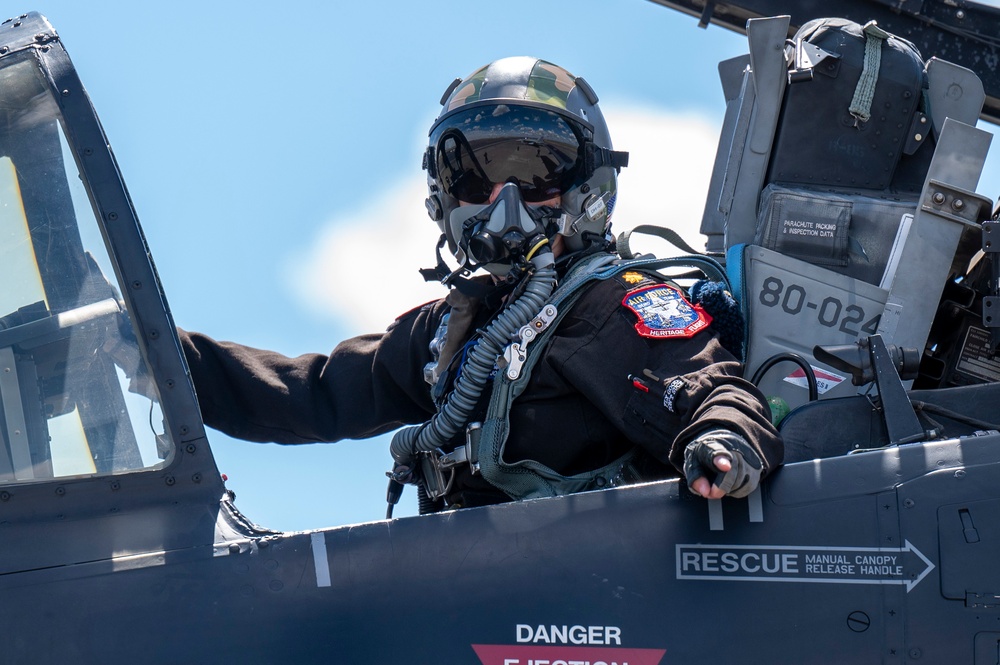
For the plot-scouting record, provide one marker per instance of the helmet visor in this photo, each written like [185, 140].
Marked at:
[536, 149]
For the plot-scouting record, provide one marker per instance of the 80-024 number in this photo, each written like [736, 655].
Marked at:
[831, 312]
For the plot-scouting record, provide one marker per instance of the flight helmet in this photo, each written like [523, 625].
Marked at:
[535, 128]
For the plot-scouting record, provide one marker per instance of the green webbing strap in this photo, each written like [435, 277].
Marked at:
[864, 93]
[528, 479]
[671, 236]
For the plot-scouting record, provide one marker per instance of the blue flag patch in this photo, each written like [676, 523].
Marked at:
[664, 312]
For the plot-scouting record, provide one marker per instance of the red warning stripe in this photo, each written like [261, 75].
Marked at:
[533, 654]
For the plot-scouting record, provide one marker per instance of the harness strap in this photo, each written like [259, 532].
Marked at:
[864, 93]
[671, 236]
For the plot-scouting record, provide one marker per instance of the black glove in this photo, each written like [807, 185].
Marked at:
[699, 460]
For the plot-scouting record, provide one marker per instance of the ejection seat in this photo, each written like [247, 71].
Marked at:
[843, 200]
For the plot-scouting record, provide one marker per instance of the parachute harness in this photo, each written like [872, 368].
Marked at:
[513, 341]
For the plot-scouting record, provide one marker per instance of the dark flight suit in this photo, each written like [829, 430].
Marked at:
[580, 410]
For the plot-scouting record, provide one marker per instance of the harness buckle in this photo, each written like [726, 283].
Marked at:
[432, 473]
[516, 353]
[437, 469]
[472, 435]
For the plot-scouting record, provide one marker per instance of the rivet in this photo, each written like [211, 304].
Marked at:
[88, 151]
[154, 334]
[4, 49]
[184, 429]
[115, 485]
[938, 198]
[958, 204]
[190, 448]
[112, 216]
[960, 15]
[40, 37]
[65, 93]
[169, 480]
[4, 496]
[908, 503]
[61, 491]
[234, 548]
[919, 137]
[196, 478]
[915, 653]
[960, 474]
[136, 285]
[170, 383]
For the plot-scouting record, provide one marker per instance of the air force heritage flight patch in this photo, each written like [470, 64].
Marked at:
[664, 312]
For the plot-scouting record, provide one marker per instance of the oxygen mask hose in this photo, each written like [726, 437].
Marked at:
[455, 414]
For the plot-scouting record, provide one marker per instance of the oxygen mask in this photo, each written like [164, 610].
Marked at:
[502, 235]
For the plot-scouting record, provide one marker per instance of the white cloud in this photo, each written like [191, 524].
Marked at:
[666, 181]
[361, 269]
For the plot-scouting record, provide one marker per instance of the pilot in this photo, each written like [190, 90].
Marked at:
[550, 367]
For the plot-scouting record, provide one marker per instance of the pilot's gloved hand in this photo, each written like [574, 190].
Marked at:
[720, 463]
[123, 350]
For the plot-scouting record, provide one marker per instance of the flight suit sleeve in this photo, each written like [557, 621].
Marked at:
[699, 387]
[367, 386]
[683, 406]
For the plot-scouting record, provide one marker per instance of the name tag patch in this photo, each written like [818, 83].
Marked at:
[664, 312]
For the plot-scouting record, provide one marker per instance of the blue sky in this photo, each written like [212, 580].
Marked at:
[273, 156]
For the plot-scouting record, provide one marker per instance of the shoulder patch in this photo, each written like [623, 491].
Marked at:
[664, 312]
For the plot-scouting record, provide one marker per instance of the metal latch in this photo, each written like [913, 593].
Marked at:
[517, 353]
[982, 600]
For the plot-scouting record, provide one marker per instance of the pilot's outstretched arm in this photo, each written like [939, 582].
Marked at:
[367, 386]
